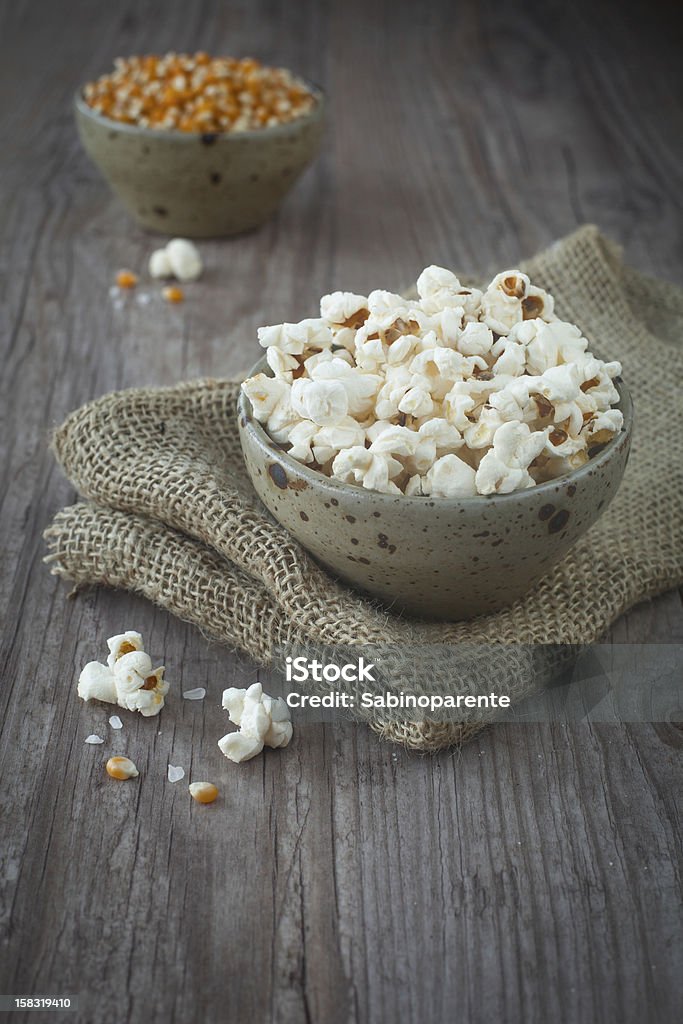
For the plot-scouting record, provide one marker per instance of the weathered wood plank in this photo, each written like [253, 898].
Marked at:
[534, 875]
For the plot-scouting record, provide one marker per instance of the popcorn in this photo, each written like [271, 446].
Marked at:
[180, 259]
[504, 467]
[325, 402]
[344, 309]
[127, 679]
[159, 264]
[96, 682]
[298, 338]
[368, 469]
[184, 259]
[262, 720]
[455, 393]
[449, 477]
[123, 643]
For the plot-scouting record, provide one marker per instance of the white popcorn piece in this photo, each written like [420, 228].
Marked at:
[381, 302]
[262, 720]
[123, 643]
[328, 441]
[368, 469]
[361, 388]
[501, 303]
[435, 279]
[504, 468]
[96, 682]
[476, 339]
[296, 339]
[239, 748]
[184, 259]
[553, 343]
[265, 394]
[300, 439]
[159, 264]
[138, 686]
[344, 308]
[449, 477]
[282, 363]
[325, 402]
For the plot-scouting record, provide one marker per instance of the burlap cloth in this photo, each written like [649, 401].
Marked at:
[170, 512]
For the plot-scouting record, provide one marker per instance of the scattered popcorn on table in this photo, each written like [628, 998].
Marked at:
[93, 739]
[175, 773]
[262, 720]
[203, 792]
[159, 264]
[180, 259]
[127, 679]
[121, 768]
[456, 393]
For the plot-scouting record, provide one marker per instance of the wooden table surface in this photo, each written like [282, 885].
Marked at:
[533, 876]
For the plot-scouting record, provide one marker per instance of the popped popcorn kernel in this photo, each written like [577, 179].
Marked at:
[456, 393]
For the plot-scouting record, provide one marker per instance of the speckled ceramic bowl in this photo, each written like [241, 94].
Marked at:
[444, 558]
[200, 186]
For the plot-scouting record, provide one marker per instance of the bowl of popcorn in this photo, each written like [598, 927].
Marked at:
[441, 452]
[200, 146]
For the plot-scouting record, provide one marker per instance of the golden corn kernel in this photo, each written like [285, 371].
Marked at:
[203, 792]
[198, 93]
[173, 294]
[126, 279]
[121, 768]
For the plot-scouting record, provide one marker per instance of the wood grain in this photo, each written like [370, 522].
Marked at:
[533, 876]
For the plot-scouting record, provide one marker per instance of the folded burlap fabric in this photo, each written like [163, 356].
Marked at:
[171, 513]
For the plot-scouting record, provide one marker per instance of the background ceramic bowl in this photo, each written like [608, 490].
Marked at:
[201, 186]
[444, 558]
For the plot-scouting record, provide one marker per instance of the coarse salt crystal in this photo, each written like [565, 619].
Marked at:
[199, 693]
[175, 773]
[93, 739]
[115, 722]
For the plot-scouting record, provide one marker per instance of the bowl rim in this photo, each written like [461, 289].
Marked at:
[171, 134]
[625, 404]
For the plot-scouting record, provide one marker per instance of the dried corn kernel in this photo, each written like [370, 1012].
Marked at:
[198, 93]
[203, 792]
[126, 279]
[173, 294]
[121, 768]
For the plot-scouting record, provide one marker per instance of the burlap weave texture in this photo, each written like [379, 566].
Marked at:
[170, 512]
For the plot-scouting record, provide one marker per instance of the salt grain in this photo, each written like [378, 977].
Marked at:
[175, 773]
[115, 722]
[94, 739]
[199, 693]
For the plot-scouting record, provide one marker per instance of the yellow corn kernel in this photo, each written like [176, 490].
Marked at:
[203, 792]
[173, 294]
[126, 279]
[121, 768]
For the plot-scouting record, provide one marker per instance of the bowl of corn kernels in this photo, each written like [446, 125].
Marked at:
[200, 146]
